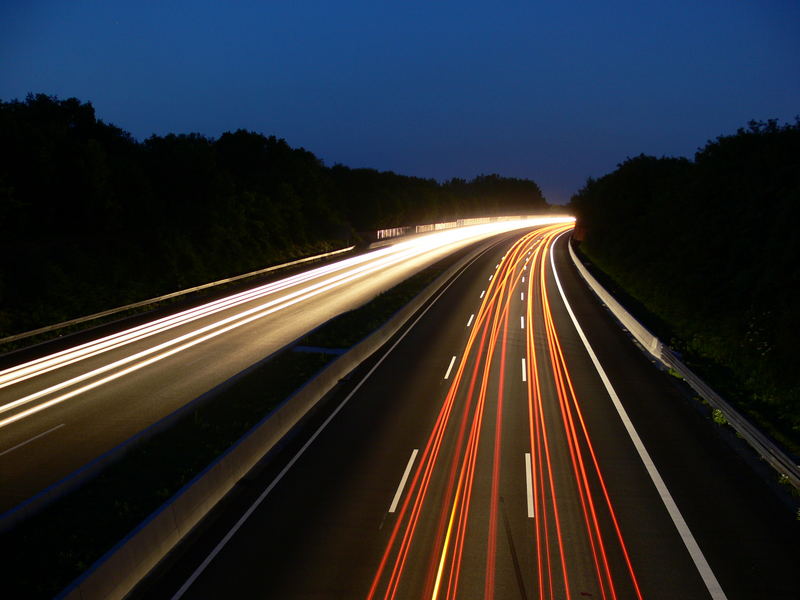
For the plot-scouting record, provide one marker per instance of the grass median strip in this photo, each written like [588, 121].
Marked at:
[53, 547]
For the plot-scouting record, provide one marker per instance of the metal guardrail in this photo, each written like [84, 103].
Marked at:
[393, 232]
[114, 574]
[765, 447]
[380, 235]
[648, 341]
[113, 311]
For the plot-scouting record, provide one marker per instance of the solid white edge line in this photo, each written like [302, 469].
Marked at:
[710, 580]
[524, 374]
[471, 317]
[224, 541]
[36, 437]
[529, 484]
[400, 487]
[450, 368]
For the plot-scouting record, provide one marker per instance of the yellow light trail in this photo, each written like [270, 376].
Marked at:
[462, 419]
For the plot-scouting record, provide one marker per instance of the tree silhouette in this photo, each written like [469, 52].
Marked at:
[91, 219]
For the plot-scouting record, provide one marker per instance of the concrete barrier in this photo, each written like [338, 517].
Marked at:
[122, 567]
[77, 478]
[765, 447]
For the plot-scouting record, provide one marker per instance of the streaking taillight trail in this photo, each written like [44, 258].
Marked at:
[439, 506]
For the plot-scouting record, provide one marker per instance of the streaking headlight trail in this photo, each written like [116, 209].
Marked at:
[217, 318]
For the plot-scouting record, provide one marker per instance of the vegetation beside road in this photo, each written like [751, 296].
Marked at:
[55, 546]
[709, 250]
[92, 219]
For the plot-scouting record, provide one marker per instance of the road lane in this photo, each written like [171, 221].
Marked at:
[744, 527]
[378, 438]
[495, 447]
[108, 390]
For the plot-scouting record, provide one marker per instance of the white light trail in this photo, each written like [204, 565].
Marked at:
[321, 279]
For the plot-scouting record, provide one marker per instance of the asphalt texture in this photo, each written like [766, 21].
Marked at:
[56, 432]
[600, 528]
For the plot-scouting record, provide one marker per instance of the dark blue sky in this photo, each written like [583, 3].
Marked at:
[554, 91]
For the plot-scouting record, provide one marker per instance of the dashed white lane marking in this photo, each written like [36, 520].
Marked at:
[524, 371]
[254, 506]
[472, 316]
[483, 293]
[450, 368]
[490, 277]
[36, 437]
[523, 279]
[400, 487]
[522, 296]
[529, 483]
[522, 322]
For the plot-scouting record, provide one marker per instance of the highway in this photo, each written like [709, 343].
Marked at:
[511, 443]
[60, 411]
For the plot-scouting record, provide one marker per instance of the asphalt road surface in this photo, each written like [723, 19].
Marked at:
[60, 411]
[482, 454]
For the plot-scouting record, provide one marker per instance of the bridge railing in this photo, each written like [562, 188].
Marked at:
[395, 232]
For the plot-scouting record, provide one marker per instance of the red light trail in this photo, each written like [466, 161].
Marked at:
[445, 540]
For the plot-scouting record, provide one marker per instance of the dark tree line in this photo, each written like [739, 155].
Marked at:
[90, 218]
[711, 247]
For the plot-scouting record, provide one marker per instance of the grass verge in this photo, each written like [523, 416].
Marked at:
[53, 547]
[723, 379]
